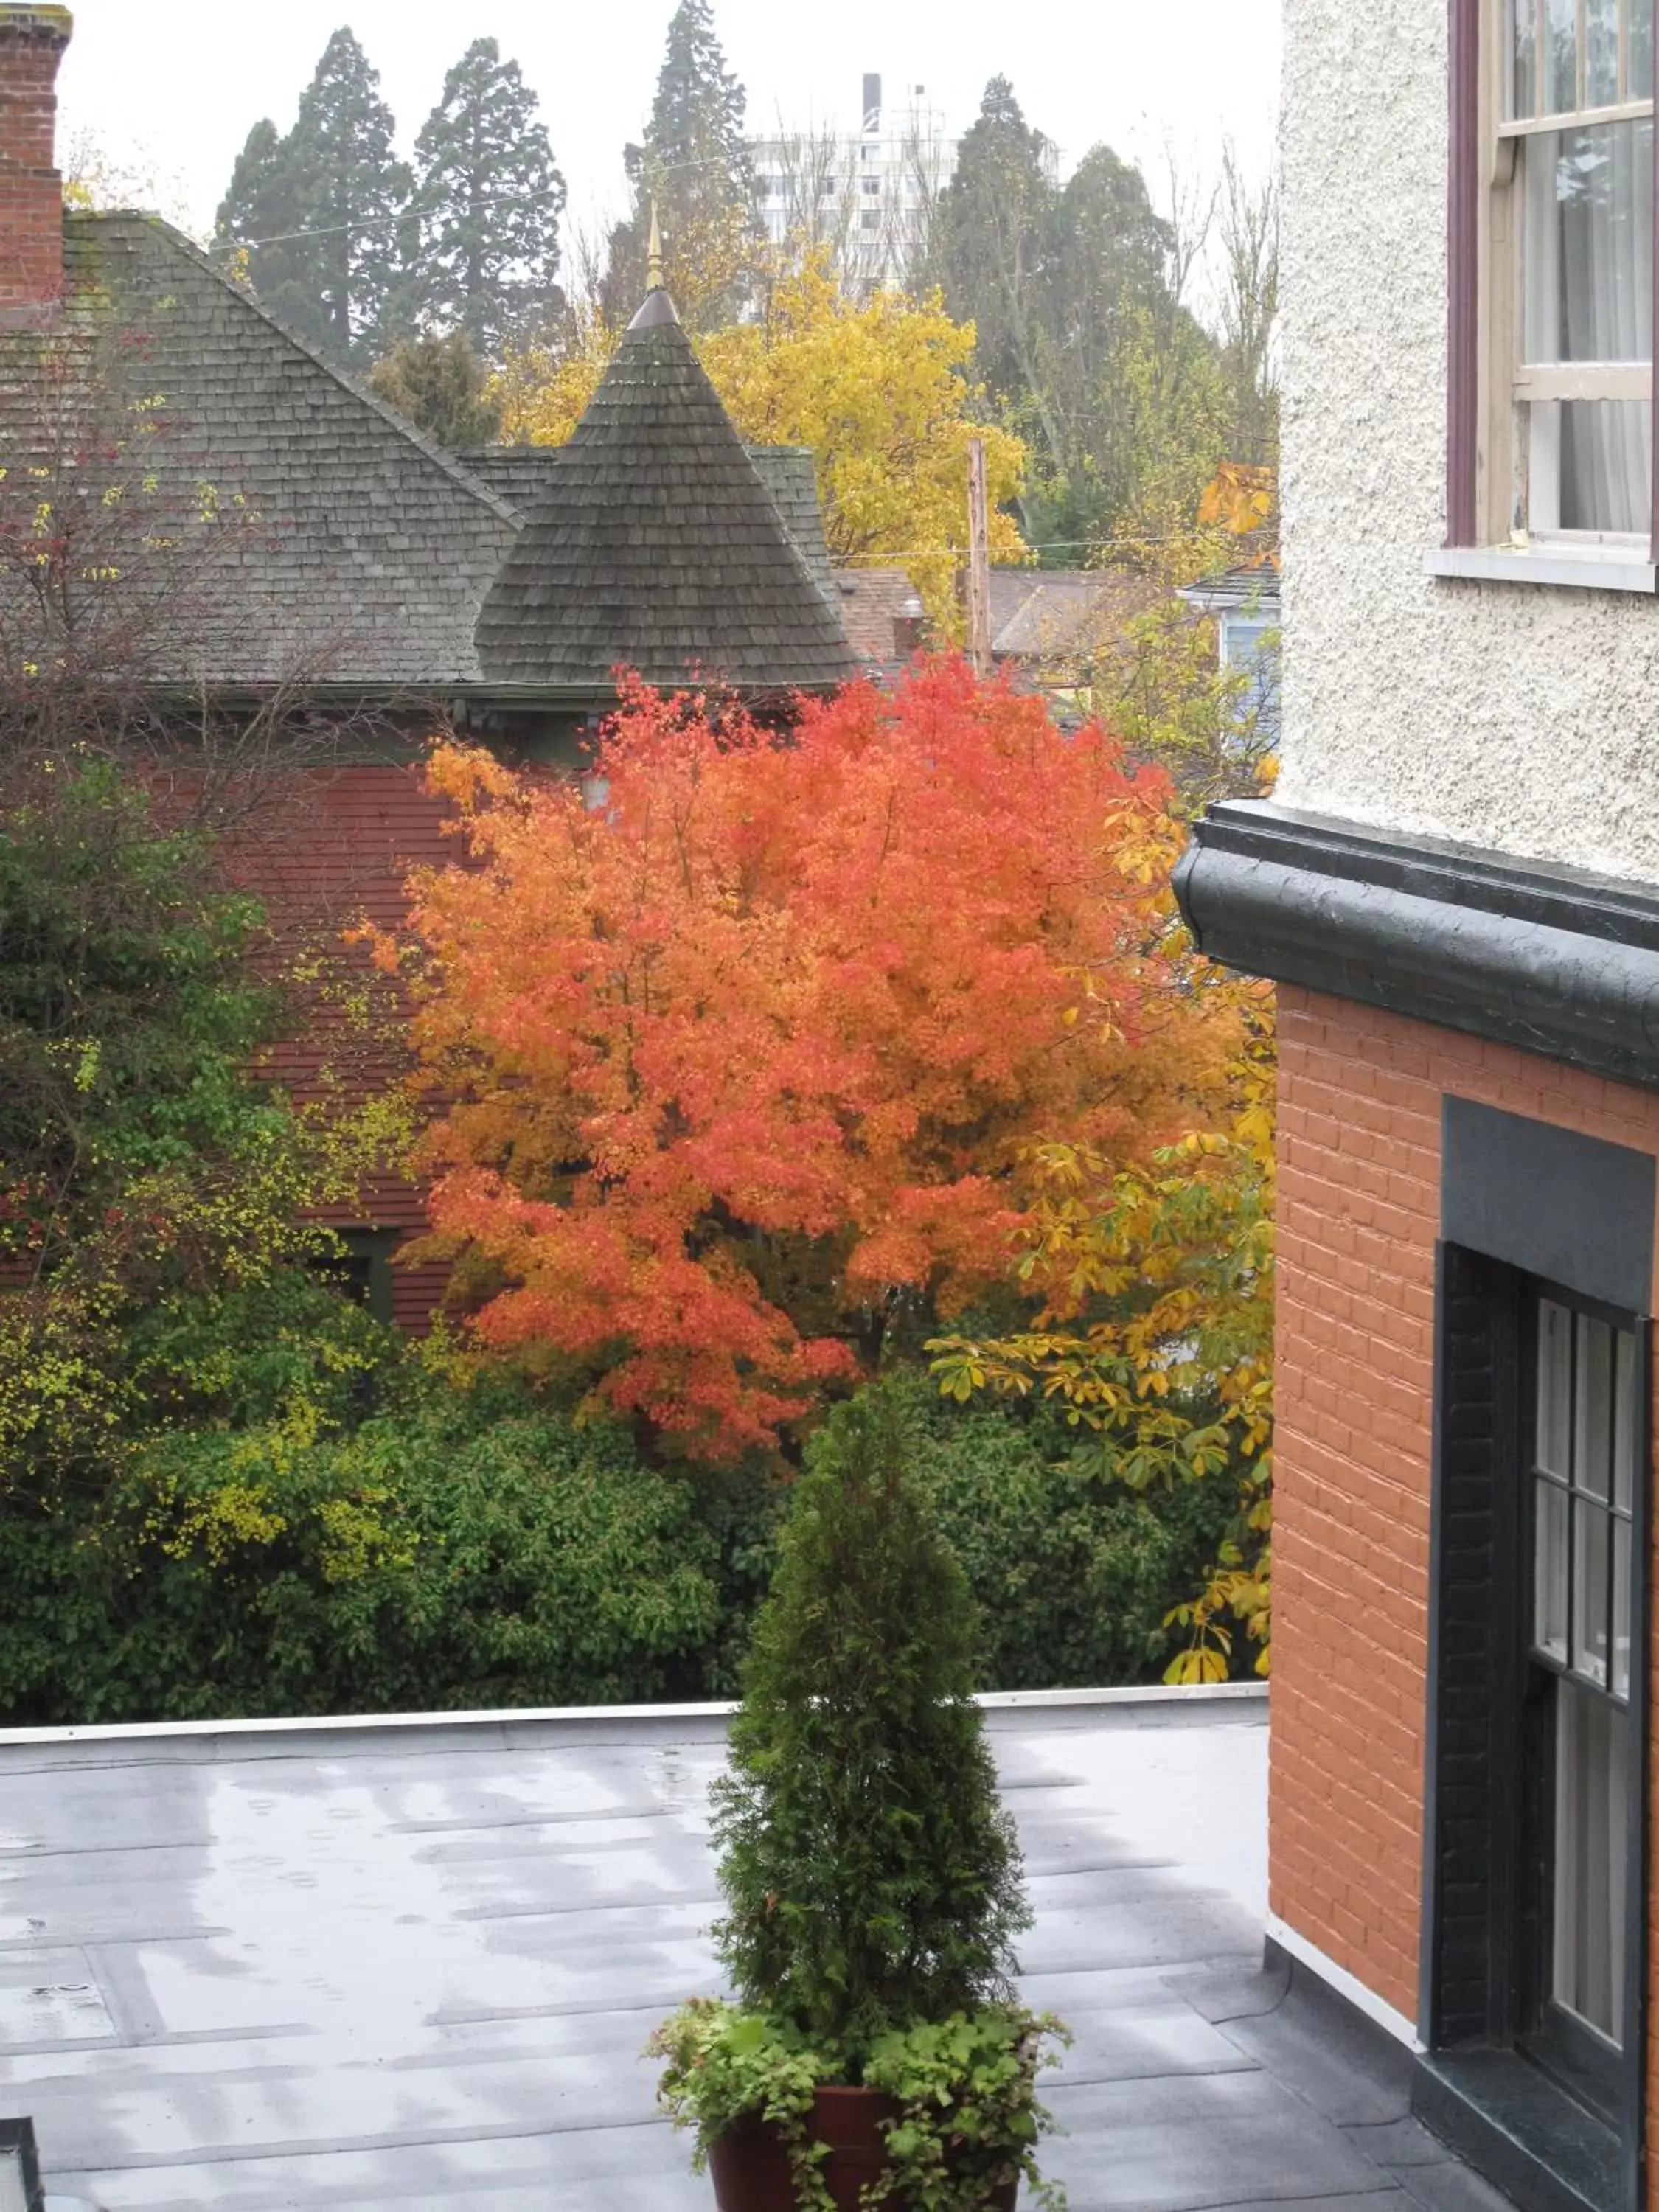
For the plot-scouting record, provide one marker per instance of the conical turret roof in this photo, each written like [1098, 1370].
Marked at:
[657, 546]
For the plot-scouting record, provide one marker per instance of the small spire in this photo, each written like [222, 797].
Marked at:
[654, 254]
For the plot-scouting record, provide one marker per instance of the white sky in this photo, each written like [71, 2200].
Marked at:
[171, 87]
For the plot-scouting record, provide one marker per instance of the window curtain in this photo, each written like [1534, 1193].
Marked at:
[1589, 282]
[1592, 1808]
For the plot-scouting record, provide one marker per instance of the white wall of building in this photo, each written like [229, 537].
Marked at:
[1514, 716]
[868, 190]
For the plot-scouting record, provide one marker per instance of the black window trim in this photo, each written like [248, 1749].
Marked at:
[1543, 2142]
[371, 1250]
[1587, 2066]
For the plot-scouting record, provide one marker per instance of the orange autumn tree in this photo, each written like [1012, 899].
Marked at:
[741, 1059]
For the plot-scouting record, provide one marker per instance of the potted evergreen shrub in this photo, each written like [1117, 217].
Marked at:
[876, 2055]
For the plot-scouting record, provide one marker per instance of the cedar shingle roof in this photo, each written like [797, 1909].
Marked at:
[376, 550]
[658, 545]
[788, 474]
[523, 476]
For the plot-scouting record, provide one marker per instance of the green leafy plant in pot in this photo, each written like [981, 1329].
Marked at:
[876, 2057]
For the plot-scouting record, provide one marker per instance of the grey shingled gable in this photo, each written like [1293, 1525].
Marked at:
[374, 550]
[788, 473]
[523, 477]
[658, 546]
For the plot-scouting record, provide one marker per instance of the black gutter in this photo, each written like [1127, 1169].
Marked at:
[1552, 960]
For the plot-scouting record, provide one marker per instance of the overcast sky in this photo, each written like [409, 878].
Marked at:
[171, 88]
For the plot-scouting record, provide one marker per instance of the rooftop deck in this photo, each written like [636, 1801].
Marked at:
[363, 1965]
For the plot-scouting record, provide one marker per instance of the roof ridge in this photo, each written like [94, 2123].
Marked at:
[182, 243]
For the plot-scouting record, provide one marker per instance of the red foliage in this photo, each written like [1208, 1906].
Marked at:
[757, 1044]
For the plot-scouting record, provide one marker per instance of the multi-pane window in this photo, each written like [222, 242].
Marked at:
[1577, 116]
[1583, 1478]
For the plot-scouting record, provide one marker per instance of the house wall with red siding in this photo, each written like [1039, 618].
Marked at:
[339, 854]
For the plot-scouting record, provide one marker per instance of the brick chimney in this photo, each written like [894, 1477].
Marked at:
[32, 36]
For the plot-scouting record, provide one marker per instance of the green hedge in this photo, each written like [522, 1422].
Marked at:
[477, 1549]
[1074, 1572]
[440, 1558]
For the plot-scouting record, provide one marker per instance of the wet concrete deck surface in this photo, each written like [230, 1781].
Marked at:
[412, 1966]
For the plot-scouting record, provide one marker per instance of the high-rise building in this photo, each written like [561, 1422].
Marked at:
[868, 196]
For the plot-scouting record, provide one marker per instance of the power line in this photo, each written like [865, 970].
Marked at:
[1044, 546]
[335, 229]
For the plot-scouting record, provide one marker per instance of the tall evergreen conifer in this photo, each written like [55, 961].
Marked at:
[260, 213]
[355, 189]
[993, 241]
[1076, 295]
[328, 196]
[695, 164]
[486, 210]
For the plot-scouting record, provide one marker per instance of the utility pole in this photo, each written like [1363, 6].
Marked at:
[979, 561]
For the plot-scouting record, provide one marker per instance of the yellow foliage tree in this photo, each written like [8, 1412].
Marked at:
[1156, 1327]
[882, 391]
[1154, 675]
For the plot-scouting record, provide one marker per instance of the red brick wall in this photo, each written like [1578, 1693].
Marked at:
[330, 856]
[1359, 1155]
[32, 42]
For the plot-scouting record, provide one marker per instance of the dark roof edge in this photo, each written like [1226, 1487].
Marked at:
[414, 697]
[182, 244]
[1553, 961]
[513, 694]
[1229, 588]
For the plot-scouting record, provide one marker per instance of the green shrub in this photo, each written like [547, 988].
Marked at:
[474, 1548]
[1074, 1572]
[872, 1876]
[873, 1879]
[457, 1553]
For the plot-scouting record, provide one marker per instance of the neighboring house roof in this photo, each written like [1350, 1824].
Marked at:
[879, 610]
[1035, 613]
[658, 545]
[523, 476]
[789, 474]
[372, 550]
[517, 474]
[1230, 591]
[375, 548]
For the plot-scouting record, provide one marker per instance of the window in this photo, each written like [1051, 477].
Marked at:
[362, 1268]
[1536, 1919]
[1550, 446]
[870, 219]
[1577, 125]
[1583, 1481]
[1249, 644]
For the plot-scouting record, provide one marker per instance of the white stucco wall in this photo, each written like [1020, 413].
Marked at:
[1511, 716]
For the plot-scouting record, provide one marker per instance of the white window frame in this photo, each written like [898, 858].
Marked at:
[1513, 549]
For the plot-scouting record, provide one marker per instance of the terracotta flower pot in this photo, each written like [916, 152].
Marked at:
[751, 2167]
